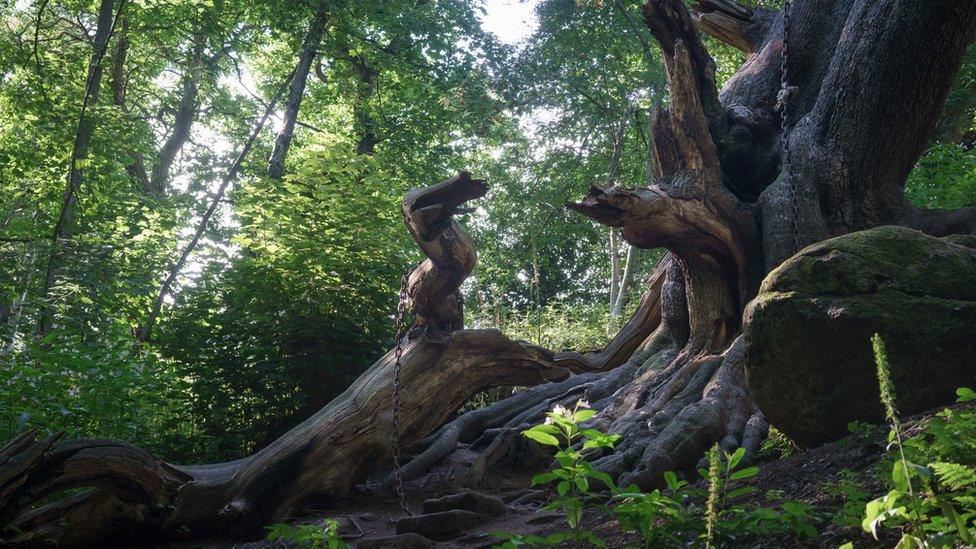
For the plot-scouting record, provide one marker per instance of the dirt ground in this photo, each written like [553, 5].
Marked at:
[823, 477]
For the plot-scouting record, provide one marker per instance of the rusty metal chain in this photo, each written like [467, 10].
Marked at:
[786, 93]
[398, 354]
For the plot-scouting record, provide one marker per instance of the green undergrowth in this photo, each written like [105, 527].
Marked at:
[931, 502]
[678, 514]
[929, 470]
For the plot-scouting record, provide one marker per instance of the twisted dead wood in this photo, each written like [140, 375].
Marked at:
[131, 493]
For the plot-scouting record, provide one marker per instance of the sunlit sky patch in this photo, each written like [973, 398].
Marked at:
[510, 20]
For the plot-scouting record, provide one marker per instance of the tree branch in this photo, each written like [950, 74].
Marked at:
[670, 23]
[732, 23]
[429, 214]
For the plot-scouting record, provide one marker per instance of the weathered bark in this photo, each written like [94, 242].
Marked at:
[698, 210]
[310, 46]
[722, 202]
[732, 23]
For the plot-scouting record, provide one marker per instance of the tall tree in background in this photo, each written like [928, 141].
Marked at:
[572, 110]
[64, 226]
[310, 48]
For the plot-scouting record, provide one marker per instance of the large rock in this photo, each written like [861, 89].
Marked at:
[808, 353]
[442, 525]
[400, 541]
[466, 501]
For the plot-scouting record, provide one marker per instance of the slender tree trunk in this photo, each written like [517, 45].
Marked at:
[16, 310]
[136, 169]
[626, 285]
[616, 273]
[145, 332]
[310, 46]
[119, 55]
[64, 226]
[154, 184]
[186, 113]
[614, 269]
[366, 91]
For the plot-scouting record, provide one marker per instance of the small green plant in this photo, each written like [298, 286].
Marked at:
[727, 521]
[511, 541]
[325, 536]
[777, 445]
[851, 498]
[659, 517]
[572, 477]
[715, 488]
[933, 504]
[672, 516]
[887, 507]
[861, 435]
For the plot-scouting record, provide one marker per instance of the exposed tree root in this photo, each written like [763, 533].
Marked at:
[669, 418]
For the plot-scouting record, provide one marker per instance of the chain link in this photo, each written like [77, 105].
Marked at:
[785, 96]
[398, 354]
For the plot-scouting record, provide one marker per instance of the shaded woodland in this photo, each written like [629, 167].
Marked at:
[357, 249]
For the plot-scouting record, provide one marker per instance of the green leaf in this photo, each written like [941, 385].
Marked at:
[583, 415]
[543, 478]
[735, 458]
[540, 437]
[563, 487]
[744, 473]
[732, 494]
[950, 512]
[547, 428]
[671, 479]
[899, 475]
[807, 530]
[908, 541]
[965, 394]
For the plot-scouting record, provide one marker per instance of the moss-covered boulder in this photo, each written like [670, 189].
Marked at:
[808, 353]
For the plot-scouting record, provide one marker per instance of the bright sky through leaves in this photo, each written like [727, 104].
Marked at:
[510, 20]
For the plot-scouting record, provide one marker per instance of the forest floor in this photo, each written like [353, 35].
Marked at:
[835, 479]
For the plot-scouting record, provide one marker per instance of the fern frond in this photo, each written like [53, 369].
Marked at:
[954, 476]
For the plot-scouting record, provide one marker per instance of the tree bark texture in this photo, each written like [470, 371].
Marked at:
[131, 493]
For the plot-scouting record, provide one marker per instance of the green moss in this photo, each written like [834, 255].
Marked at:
[808, 355]
[882, 258]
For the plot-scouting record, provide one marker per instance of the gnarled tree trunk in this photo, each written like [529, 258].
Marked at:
[867, 80]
